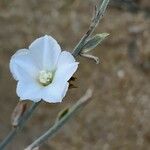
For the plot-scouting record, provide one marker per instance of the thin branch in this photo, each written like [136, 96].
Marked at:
[99, 12]
[59, 123]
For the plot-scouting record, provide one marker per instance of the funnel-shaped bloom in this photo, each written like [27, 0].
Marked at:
[43, 71]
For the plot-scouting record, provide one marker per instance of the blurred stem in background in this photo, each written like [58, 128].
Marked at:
[99, 12]
[63, 117]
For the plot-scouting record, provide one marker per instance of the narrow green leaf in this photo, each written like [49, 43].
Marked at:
[93, 42]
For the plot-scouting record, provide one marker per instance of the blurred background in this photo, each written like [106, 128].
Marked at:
[118, 117]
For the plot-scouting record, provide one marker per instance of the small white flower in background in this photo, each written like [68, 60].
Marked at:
[43, 71]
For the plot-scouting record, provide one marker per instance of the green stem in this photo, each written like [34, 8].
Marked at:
[99, 12]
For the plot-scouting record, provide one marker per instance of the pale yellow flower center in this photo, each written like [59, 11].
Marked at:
[45, 77]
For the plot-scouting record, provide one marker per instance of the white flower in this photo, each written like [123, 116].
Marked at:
[43, 71]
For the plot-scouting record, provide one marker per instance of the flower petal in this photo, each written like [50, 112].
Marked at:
[65, 58]
[22, 65]
[55, 92]
[29, 90]
[46, 51]
[65, 72]
[65, 90]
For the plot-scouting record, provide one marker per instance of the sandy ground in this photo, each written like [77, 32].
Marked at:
[118, 117]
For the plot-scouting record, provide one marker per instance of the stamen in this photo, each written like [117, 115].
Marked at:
[45, 77]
